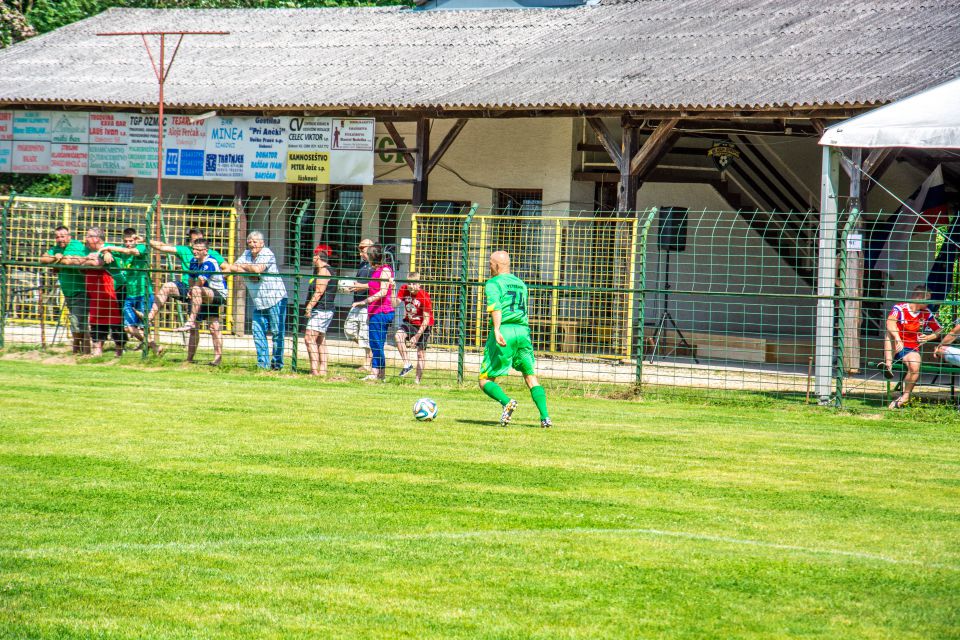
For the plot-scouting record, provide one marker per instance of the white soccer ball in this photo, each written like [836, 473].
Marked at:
[344, 286]
[425, 410]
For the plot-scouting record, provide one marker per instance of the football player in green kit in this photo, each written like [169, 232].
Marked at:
[508, 344]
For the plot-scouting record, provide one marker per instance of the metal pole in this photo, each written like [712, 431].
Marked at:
[464, 272]
[842, 304]
[4, 257]
[153, 279]
[642, 291]
[827, 273]
[297, 234]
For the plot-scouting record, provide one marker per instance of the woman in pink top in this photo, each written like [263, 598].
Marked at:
[379, 309]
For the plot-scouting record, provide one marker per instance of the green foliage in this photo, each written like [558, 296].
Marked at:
[47, 15]
[36, 185]
[14, 26]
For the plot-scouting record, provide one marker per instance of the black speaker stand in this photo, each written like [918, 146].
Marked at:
[665, 317]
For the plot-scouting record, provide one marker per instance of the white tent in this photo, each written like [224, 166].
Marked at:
[926, 120]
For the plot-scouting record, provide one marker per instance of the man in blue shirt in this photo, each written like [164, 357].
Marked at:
[208, 295]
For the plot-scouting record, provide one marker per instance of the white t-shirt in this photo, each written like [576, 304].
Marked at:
[265, 290]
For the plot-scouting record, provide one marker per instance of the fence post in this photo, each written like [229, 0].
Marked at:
[4, 257]
[640, 263]
[150, 277]
[464, 272]
[297, 234]
[852, 220]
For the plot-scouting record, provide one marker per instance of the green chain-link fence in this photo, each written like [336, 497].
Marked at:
[656, 299]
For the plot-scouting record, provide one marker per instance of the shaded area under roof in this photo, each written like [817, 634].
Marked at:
[622, 54]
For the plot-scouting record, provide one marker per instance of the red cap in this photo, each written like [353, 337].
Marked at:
[323, 249]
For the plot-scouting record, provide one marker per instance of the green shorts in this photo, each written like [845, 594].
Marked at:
[518, 353]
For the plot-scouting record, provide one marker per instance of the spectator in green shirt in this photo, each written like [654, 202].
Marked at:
[178, 289]
[132, 260]
[66, 255]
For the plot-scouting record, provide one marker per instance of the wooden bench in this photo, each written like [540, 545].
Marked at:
[944, 370]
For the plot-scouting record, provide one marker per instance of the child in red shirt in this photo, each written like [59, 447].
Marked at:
[418, 321]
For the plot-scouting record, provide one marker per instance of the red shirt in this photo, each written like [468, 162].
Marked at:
[102, 297]
[415, 306]
[910, 324]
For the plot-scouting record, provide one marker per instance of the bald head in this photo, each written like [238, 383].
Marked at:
[499, 263]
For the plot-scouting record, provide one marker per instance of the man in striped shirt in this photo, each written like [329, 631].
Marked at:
[269, 297]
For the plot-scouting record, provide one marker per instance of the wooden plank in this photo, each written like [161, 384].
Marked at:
[421, 162]
[607, 140]
[875, 166]
[627, 191]
[654, 148]
[448, 139]
[394, 181]
[398, 140]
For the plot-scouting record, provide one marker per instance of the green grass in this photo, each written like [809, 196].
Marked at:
[191, 503]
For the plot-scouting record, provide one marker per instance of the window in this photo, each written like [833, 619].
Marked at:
[112, 188]
[518, 230]
[388, 216]
[344, 222]
[298, 194]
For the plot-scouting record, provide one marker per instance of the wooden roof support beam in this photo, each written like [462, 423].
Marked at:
[654, 148]
[446, 142]
[398, 140]
[875, 166]
[606, 139]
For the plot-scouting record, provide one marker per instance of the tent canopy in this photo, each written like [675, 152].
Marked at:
[926, 120]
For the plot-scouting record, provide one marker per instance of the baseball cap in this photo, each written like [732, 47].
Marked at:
[323, 249]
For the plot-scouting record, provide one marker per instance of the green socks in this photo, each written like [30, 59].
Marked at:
[539, 396]
[540, 399]
[493, 390]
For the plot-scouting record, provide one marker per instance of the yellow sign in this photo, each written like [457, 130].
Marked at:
[311, 167]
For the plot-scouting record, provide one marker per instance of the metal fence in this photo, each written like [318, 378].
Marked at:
[721, 301]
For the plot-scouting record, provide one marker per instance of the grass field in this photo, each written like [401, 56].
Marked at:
[188, 503]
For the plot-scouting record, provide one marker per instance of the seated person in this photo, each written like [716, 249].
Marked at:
[950, 355]
[907, 324]
[208, 295]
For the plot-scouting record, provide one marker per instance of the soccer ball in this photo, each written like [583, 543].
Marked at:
[425, 410]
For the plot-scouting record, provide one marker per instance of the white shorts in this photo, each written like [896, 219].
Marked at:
[356, 326]
[951, 355]
[319, 321]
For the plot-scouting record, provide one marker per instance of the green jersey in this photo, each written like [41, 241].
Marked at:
[185, 254]
[71, 278]
[134, 271]
[507, 294]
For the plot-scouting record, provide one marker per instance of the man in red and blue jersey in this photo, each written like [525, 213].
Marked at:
[909, 324]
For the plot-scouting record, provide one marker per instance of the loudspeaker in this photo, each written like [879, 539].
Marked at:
[672, 229]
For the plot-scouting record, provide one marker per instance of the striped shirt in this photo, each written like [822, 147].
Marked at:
[266, 291]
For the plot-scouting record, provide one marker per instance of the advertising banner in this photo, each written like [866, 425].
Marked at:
[226, 148]
[142, 143]
[6, 141]
[31, 142]
[68, 159]
[107, 148]
[308, 150]
[184, 142]
[267, 138]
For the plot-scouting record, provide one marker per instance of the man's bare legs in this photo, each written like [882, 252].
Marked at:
[317, 352]
[912, 362]
[217, 336]
[168, 290]
[197, 297]
[192, 343]
[421, 364]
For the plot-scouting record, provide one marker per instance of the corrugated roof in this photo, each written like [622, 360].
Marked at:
[636, 54]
